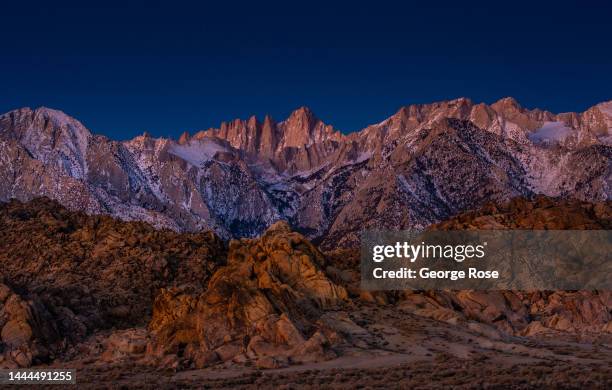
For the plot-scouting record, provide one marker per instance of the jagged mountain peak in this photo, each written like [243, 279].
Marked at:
[412, 166]
[460, 101]
[28, 122]
[55, 114]
[184, 138]
[303, 128]
[507, 101]
[268, 139]
[268, 120]
[49, 136]
[252, 122]
[302, 112]
[43, 119]
[605, 108]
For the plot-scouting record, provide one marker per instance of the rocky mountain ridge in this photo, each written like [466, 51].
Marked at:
[420, 166]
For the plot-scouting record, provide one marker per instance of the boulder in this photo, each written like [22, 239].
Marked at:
[264, 304]
[28, 331]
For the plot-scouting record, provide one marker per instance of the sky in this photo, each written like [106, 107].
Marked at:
[167, 67]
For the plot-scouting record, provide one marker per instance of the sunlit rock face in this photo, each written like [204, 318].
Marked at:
[266, 305]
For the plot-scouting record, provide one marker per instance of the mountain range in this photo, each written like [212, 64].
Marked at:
[423, 164]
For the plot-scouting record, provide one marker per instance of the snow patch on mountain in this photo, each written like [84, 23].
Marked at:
[406, 186]
[550, 132]
[546, 172]
[197, 152]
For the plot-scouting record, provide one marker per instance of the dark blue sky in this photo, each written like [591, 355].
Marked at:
[167, 67]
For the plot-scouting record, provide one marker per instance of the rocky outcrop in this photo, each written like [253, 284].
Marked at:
[94, 271]
[538, 213]
[264, 305]
[29, 332]
[268, 138]
[526, 312]
[80, 277]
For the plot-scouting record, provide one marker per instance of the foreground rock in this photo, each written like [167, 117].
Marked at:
[78, 274]
[81, 291]
[403, 351]
[265, 305]
[538, 213]
[527, 312]
[28, 331]
[583, 314]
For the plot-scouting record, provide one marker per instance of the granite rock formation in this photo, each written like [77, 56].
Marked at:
[266, 304]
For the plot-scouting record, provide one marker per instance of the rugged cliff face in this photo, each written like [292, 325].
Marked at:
[420, 166]
[275, 141]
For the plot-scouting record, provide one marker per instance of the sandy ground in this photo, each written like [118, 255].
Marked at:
[396, 350]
